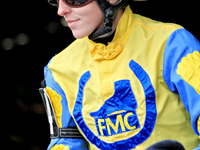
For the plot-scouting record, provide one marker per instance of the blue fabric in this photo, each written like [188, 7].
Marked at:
[50, 82]
[198, 148]
[74, 144]
[179, 45]
[115, 103]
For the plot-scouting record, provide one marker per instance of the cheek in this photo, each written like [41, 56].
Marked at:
[93, 21]
[91, 18]
[96, 15]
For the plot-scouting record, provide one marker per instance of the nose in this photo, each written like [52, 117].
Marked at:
[63, 8]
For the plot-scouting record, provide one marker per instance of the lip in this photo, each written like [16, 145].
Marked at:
[72, 22]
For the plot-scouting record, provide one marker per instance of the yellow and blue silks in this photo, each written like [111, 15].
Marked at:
[143, 87]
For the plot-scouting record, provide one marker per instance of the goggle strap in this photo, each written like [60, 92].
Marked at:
[53, 2]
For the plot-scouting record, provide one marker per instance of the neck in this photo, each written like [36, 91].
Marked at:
[101, 31]
[105, 40]
[116, 21]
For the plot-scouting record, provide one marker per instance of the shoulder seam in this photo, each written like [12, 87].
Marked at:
[163, 25]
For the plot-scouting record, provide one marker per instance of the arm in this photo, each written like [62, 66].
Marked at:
[181, 71]
[62, 117]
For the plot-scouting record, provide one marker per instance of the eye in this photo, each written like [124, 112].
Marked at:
[80, 2]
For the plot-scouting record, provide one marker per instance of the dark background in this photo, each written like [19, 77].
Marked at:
[24, 123]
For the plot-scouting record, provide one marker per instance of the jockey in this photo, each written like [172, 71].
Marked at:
[126, 82]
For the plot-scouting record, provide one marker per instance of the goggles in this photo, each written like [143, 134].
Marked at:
[70, 3]
[79, 3]
[76, 3]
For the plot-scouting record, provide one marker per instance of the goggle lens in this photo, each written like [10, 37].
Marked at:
[76, 3]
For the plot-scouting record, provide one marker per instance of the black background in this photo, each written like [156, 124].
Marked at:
[24, 123]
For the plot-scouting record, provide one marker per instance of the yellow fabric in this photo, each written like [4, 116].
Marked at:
[189, 70]
[139, 38]
[101, 52]
[60, 147]
[56, 103]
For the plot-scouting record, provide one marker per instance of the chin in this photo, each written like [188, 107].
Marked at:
[80, 34]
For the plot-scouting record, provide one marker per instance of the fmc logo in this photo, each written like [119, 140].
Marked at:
[118, 113]
[119, 116]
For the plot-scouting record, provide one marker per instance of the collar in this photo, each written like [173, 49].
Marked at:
[100, 51]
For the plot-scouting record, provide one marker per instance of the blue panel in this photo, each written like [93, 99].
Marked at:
[179, 45]
[50, 82]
